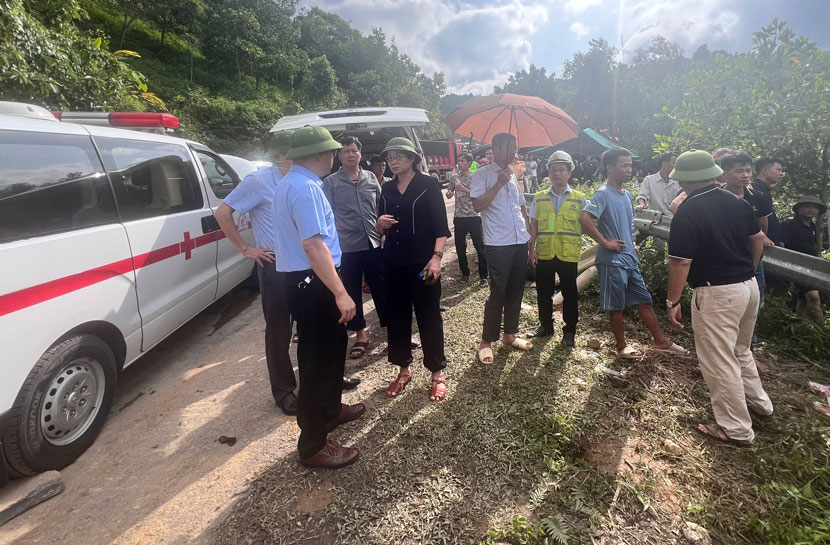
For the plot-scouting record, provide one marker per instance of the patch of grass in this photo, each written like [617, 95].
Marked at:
[794, 334]
[544, 448]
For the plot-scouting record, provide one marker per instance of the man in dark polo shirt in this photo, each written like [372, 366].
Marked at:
[715, 243]
[737, 175]
[768, 172]
[799, 235]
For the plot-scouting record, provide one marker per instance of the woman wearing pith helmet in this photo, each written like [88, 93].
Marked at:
[413, 221]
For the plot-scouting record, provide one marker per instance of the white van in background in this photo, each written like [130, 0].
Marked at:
[107, 245]
[373, 126]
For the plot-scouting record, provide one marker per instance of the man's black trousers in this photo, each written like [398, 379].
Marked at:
[545, 280]
[405, 291]
[277, 331]
[507, 266]
[353, 267]
[321, 358]
[471, 225]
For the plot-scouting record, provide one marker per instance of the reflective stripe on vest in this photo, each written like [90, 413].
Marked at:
[559, 234]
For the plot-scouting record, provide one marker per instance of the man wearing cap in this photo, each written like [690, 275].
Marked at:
[799, 234]
[496, 196]
[254, 196]
[354, 194]
[715, 243]
[555, 246]
[308, 252]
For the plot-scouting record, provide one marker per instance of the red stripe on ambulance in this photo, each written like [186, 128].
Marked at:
[27, 297]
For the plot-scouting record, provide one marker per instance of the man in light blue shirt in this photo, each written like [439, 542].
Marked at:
[620, 281]
[308, 251]
[497, 197]
[254, 196]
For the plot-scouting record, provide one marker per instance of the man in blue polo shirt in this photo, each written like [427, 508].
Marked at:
[253, 196]
[620, 281]
[308, 252]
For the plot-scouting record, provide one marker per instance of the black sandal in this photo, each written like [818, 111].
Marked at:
[358, 349]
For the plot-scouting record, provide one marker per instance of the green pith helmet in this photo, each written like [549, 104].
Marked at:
[810, 199]
[399, 143]
[280, 143]
[695, 166]
[310, 141]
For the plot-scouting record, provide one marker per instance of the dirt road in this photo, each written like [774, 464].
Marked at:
[158, 473]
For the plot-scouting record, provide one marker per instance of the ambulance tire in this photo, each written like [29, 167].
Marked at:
[27, 448]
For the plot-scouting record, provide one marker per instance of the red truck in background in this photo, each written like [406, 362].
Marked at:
[442, 156]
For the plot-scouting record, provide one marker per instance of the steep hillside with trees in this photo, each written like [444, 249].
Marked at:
[228, 68]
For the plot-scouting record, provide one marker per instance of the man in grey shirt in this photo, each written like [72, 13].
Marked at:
[353, 194]
[656, 193]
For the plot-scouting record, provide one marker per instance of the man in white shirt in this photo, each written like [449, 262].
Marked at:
[657, 192]
[534, 180]
[496, 196]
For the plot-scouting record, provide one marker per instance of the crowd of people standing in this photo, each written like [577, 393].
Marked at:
[324, 237]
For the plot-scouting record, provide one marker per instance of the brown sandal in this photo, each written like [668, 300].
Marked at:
[714, 431]
[398, 385]
[438, 391]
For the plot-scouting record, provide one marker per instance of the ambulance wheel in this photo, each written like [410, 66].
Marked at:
[61, 407]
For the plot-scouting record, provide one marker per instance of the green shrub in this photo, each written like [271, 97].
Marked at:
[792, 333]
[228, 126]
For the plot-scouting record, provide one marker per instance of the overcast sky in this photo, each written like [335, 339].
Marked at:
[478, 44]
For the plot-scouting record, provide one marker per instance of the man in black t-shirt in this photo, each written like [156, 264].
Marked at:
[737, 175]
[715, 243]
[768, 172]
[799, 235]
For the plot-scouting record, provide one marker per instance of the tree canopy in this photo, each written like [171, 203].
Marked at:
[230, 68]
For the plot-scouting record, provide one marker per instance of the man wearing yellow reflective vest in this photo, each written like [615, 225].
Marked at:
[555, 246]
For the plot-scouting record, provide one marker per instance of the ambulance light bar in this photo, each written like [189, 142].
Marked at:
[129, 120]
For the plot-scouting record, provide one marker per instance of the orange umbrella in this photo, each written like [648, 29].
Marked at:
[533, 121]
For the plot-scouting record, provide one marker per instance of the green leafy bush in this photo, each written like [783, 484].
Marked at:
[228, 126]
[792, 333]
[46, 59]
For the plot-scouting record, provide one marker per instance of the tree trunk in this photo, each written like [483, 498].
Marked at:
[163, 30]
[238, 70]
[124, 26]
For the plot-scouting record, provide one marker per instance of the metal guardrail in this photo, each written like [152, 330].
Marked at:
[805, 270]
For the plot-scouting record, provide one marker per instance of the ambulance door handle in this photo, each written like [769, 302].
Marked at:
[209, 224]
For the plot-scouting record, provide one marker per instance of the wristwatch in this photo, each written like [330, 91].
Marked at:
[439, 254]
[669, 304]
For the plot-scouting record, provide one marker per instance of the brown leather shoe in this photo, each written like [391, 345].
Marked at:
[347, 414]
[332, 456]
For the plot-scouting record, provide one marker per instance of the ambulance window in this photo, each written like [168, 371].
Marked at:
[150, 178]
[51, 183]
[221, 177]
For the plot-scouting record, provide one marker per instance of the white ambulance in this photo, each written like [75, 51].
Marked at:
[108, 243]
